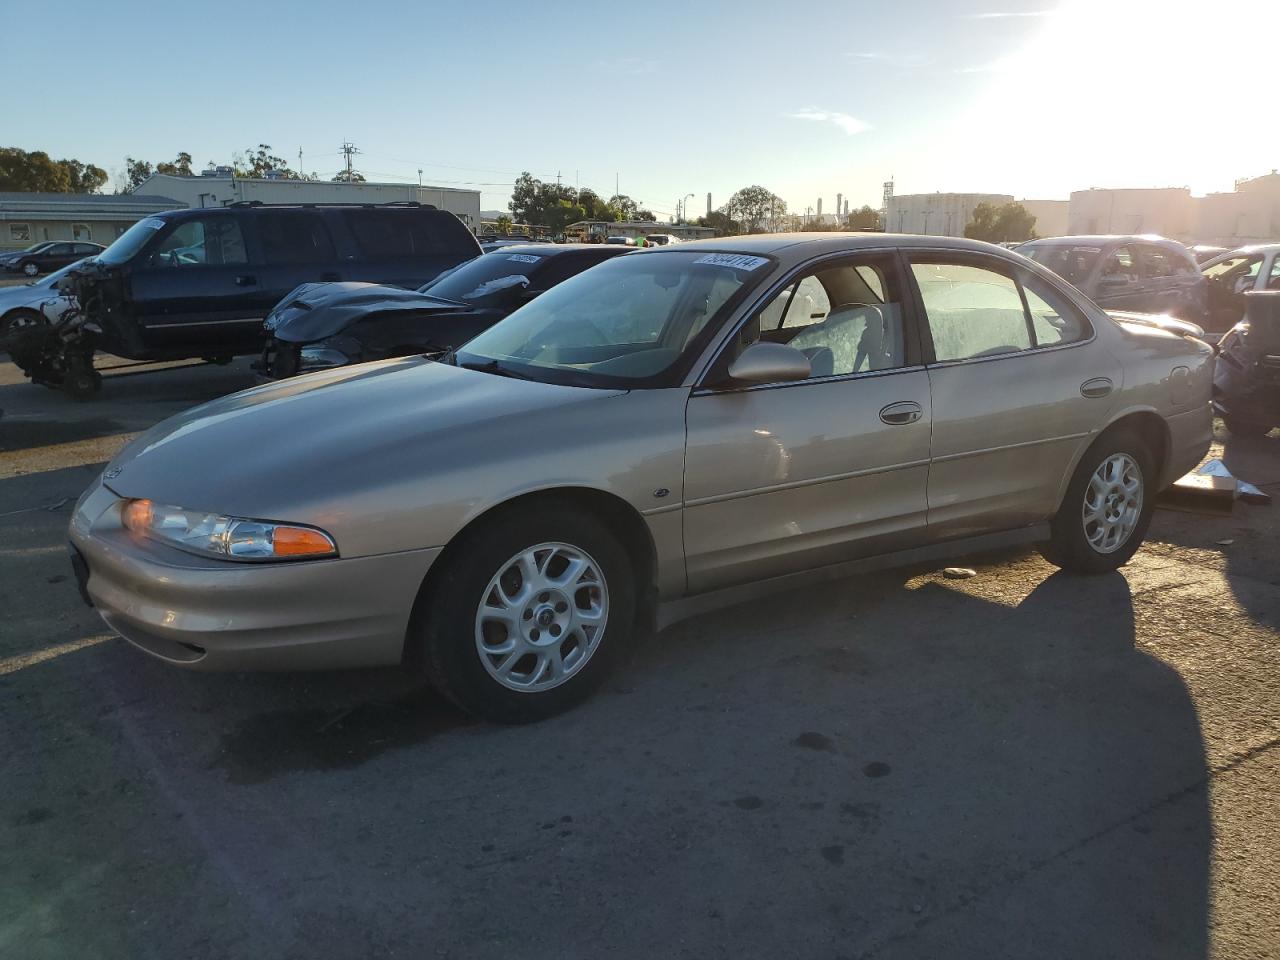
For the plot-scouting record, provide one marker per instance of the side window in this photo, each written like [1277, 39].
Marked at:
[1273, 277]
[58, 250]
[85, 249]
[1054, 319]
[559, 269]
[400, 234]
[972, 312]
[845, 318]
[1120, 264]
[291, 237]
[1185, 265]
[215, 241]
[20, 232]
[1157, 263]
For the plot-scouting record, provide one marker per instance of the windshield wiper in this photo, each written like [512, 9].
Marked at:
[491, 366]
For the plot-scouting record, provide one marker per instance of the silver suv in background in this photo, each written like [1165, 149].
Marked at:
[1143, 274]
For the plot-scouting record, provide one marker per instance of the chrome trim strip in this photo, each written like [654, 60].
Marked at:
[797, 484]
[1011, 446]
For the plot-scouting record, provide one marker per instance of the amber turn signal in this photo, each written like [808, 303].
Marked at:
[138, 515]
[299, 542]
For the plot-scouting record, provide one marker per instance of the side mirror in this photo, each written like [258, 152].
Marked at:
[770, 363]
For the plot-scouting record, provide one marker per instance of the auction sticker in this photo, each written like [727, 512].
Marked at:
[152, 223]
[736, 260]
[524, 258]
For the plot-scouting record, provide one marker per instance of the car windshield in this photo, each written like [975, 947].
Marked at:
[1234, 264]
[127, 245]
[629, 322]
[491, 280]
[1072, 262]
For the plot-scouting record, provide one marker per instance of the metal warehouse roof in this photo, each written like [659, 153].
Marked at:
[63, 206]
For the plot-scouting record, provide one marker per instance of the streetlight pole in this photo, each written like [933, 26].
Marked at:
[684, 207]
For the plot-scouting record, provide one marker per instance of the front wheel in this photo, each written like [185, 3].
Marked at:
[529, 614]
[30, 269]
[1107, 508]
[13, 323]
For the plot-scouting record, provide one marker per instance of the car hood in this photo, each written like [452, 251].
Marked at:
[1160, 321]
[306, 449]
[26, 294]
[315, 311]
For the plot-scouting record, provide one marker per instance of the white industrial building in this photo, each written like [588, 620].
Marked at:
[936, 214]
[217, 188]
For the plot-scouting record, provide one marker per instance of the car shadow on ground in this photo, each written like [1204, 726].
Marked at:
[889, 766]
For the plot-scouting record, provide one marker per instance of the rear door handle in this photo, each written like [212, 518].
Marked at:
[904, 411]
[1097, 387]
[246, 280]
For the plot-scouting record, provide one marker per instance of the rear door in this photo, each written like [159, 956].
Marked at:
[296, 247]
[1119, 284]
[1166, 285]
[1018, 381]
[405, 246]
[195, 291]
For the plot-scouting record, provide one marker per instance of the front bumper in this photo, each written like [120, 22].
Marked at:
[221, 615]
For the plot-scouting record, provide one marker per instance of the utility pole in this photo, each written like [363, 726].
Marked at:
[419, 176]
[348, 149]
[299, 161]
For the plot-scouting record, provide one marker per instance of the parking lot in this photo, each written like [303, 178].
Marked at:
[1021, 764]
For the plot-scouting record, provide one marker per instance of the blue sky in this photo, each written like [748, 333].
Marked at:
[1028, 97]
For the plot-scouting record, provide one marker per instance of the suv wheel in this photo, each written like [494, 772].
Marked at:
[1107, 508]
[529, 615]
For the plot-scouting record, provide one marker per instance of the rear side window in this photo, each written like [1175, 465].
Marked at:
[1157, 262]
[295, 236]
[407, 234]
[972, 312]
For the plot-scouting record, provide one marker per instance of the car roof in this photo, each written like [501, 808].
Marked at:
[1253, 249]
[803, 245]
[543, 249]
[1105, 239]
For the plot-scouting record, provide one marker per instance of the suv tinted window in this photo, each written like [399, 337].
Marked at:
[406, 234]
[295, 236]
[972, 312]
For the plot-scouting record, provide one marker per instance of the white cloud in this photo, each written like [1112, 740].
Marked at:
[848, 124]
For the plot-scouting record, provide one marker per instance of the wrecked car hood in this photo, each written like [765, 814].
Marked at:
[315, 311]
[1160, 321]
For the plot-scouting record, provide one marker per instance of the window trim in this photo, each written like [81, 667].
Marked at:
[1008, 268]
[910, 332]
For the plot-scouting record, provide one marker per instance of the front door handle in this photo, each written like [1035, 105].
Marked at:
[1097, 387]
[246, 280]
[904, 411]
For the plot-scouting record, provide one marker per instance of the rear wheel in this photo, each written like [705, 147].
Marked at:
[1245, 428]
[1107, 508]
[528, 616]
[31, 269]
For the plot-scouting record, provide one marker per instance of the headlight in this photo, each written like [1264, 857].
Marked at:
[320, 358]
[228, 538]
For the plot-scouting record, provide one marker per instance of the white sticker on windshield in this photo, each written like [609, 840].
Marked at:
[738, 261]
[493, 286]
[152, 223]
[524, 258]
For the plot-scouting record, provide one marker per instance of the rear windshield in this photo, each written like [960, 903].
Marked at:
[491, 280]
[1072, 262]
[407, 234]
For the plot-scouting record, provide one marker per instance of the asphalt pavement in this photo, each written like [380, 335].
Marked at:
[1020, 764]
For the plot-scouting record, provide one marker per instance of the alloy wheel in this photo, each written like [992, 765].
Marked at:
[541, 617]
[1112, 503]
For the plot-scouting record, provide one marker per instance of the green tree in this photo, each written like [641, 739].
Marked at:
[1001, 223]
[864, 218]
[355, 176]
[643, 214]
[36, 171]
[260, 162]
[504, 224]
[752, 206]
[180, 167]
[551, 205]
[626, 207]
[720, 221]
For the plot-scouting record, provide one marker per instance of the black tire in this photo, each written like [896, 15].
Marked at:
[1245, 428]
[16, 320]
[1069, 546]
[442, 632]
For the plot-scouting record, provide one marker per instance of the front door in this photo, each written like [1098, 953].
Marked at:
[788, 476]
[1018, 382]
[195, 291]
